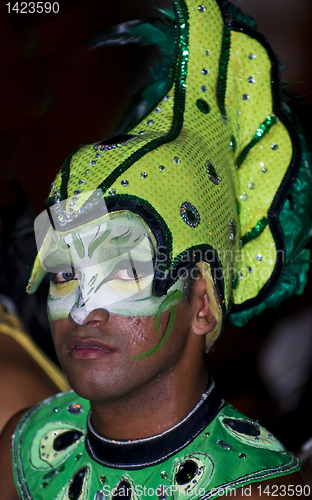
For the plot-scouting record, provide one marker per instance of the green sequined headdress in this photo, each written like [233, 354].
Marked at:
[215, 166]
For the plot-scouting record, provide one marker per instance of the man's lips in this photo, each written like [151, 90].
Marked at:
[88, 348]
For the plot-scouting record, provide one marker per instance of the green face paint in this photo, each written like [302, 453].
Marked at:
[169, 303]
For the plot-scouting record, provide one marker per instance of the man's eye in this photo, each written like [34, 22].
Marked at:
[63, 277]
[129, 274]
[131, 271]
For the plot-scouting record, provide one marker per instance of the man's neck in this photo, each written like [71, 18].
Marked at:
[151, 410]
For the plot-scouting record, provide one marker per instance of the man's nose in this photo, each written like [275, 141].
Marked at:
[82, 314]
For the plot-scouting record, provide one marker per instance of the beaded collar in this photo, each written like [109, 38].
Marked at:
[153, 450]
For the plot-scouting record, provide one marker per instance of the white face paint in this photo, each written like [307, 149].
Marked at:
[108, 263]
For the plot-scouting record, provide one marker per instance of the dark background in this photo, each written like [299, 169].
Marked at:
[56, 94]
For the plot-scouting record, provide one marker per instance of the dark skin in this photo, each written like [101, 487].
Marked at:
[135, 398]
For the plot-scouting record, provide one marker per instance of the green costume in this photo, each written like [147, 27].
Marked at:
[213, 450]
[216, 170]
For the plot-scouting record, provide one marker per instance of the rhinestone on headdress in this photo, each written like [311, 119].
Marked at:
[203, 106]
[143, 175]
[274, 147]
[205, 71]
[125, 183]
[201, 8]
[189, 214]
[203, 88]
[245, 97]
[212, 173]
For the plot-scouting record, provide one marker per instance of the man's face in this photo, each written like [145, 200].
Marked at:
[111, 334]
[110, 356]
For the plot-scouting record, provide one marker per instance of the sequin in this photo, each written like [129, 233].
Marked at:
[189, 214]
[242, 456]
[81, 182]
[142, 132]
[162, 168]
[206, 434]
[166, 98]
[186, 472]
[143, 175]
[259, 257]
[244, 197]
[164, 474]
[78, 191]
[176, 159]
[264, 170]
[223, 68]
[203, 106]
[263, 129]
[112, 192]
[224, 445]
[92, 163]
[201, 8]
[56, 410]
[251, 56]
[207, 52]
[125, 183]
[162, 492]
[251, 79]
[274, 147]
[158, 110]
[150, 122]
[251, 185]
[245, 97]
[203, 88]
[87, 172]
[75, 408]
[117, 141]
[100, 495]
[232, 231]
[103, 479]
[212, 173]
[205, 71]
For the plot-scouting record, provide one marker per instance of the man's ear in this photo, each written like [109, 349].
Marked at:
[203, 320]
